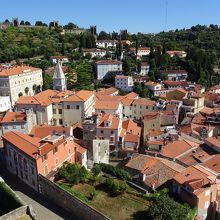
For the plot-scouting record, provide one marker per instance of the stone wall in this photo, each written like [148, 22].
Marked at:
[23, 210]
[68, 201]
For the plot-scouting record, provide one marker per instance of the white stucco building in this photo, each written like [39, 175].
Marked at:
[105, 67]
[5, 103]
[142, 51]
[106, 43]
[145, 67]
[56, 59]
[59, 108]
[124, 83]
[19, 81]
[94, 52]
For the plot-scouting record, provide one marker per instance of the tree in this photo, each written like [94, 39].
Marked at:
[96, 170]
[48, 82]
[73, 173]
[70, 26]
[104, 36]
[136, 47]
[27, 23]
[115, 188]
[22, 22]
[38, 23]
[126, 65]
[92, 194]
[118, 50]
[164, 207]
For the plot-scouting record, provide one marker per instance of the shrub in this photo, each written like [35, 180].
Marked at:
[96, 170]
[92, 193]
[115, 188]
[115, 171]
[73, 173]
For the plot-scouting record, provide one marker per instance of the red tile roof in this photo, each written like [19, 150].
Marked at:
[108, 91]
[17, 70]
[11, 117]
[131, 127]
[106, 105]
[176, 148]
[132, 138]
[44, 130]
[175, 83]
[108, 62]
[23, 142]
[144, 102]
[213, 141]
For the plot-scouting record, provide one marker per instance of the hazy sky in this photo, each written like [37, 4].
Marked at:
[134, 15]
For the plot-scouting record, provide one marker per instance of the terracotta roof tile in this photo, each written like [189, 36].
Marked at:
[17, 70]
[176, 148]
[108, 91]
[11, 117]
[44, 130]
[106, 105]
[106, 62]
[144, 102]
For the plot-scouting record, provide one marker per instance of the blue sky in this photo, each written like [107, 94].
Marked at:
[135, 15]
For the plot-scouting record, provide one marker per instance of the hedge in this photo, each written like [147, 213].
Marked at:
[115, 171]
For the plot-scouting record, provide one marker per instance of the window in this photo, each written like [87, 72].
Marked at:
[44, 157]
[14, 126]
[54, 111]
[101, 131]
[55, 150]
[60, 121]
[112, 139]
[60, 111]
[6, 127]
[22, 126]
[77, 107]
[112, 132]
[33, 182]
[68, 106]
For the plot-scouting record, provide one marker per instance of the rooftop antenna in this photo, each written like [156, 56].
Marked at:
[165, 26]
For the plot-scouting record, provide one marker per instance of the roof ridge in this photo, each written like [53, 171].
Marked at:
[17, 134]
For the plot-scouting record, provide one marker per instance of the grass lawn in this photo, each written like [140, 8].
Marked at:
[120, 207]
[24, 217]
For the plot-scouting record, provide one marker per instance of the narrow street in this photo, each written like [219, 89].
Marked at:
[43, 207]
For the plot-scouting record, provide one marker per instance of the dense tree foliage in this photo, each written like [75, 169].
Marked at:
[202, 44]
[17, 43]
[164, 207]
[73, 173]
[115, 171]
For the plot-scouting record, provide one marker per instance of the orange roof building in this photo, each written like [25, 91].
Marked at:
[28, 156]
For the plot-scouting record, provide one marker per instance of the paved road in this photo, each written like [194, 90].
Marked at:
[45, 209]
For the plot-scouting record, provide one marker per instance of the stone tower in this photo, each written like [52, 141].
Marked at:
[59, 79]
